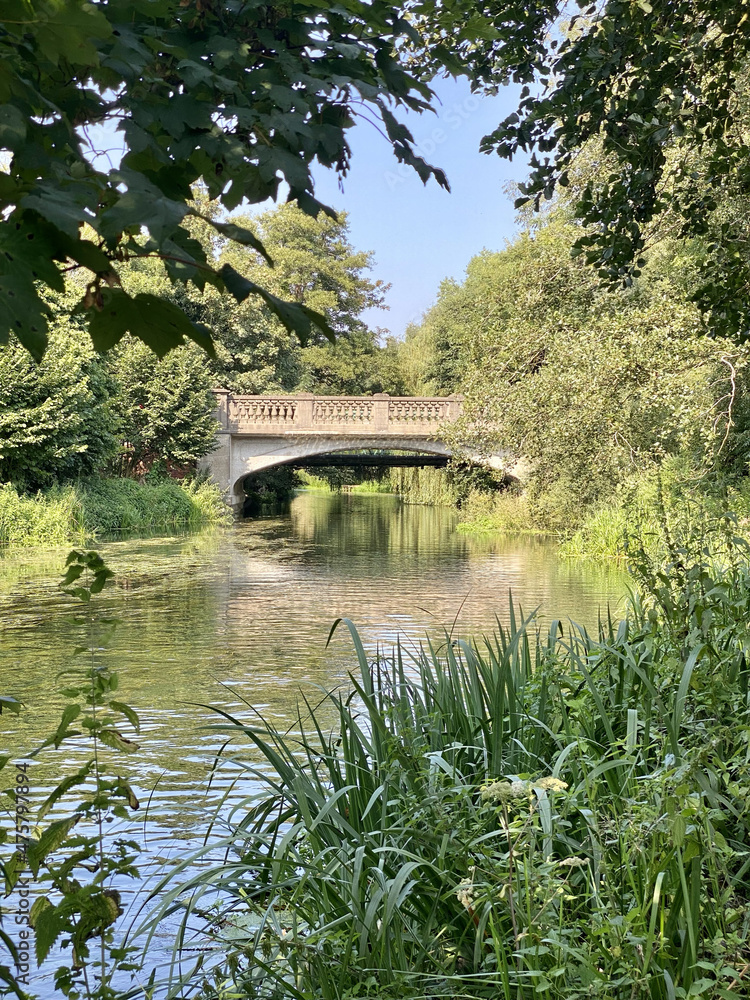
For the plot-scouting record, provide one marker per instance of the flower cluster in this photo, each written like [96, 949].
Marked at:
[465, 893]
[503, 791]
[551, 784]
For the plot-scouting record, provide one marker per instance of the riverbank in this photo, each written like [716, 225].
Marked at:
[650, 507]
[96, 507]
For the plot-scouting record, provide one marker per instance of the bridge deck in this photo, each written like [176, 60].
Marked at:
[380, 415]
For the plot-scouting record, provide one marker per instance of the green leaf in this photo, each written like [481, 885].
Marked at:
[48, 924]
[23, 313]
[67, 30]
[117, 741]
[65, 785]
[130, 714]
[52, 838]
[158, 323]
[12, 705]
[240, 234]
[12, 127]
[12, 870]
[296, 317]
[142, 205]
[64, 207]
[70, 712]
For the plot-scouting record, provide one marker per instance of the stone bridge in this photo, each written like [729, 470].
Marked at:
[258, 432]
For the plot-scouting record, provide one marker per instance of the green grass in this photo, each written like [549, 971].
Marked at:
[95, 507]
[537, 815]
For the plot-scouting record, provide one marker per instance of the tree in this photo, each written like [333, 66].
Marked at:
[590, 388]
[165, 406]
[56, 419]
[315, 266]
[241, 97]
[660, 89]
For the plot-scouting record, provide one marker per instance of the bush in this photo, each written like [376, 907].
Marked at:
[105, 506]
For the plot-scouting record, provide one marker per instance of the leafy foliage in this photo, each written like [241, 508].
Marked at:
[586, 389]
[241, 97]
[165, 407]
[56, 417]
[317, 267]
[533, 814]
[78, 905]
[661, 89]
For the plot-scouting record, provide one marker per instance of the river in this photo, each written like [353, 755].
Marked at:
[239, 618]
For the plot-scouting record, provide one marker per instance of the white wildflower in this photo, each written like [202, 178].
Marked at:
[518, 789]
[497, 791]
[465, 893]
[551, 784]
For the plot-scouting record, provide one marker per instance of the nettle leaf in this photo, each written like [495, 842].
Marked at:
[115, 740]
[65, 785]
[130, 714]
[70, 713]
[48, 924]
[12, 705]
[12, 870]
[53, 837]
[295, 316]
[158, 323]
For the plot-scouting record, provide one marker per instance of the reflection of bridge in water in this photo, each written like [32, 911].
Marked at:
[259, 432]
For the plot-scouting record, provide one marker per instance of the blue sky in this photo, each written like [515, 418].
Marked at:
[419, 234]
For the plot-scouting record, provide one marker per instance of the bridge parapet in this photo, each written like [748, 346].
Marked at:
[397, 416]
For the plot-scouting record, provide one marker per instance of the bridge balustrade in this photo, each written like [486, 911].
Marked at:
[309, 414]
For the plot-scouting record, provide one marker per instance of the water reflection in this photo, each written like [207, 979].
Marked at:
[242, 616]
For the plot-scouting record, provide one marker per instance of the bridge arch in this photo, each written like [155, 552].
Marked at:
[252, 455]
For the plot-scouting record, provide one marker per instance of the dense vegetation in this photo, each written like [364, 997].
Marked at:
[77, 416]
[536, 814]
[242, 98]
[593, 394]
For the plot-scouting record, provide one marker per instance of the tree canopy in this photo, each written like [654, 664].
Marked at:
[591, 390]
[240, 97]
[660, 89]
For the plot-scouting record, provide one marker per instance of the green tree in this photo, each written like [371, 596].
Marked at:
[589, 388]
[661, 89]
[165, 407]
[56, 417]
[316, 266]
[241, 97]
